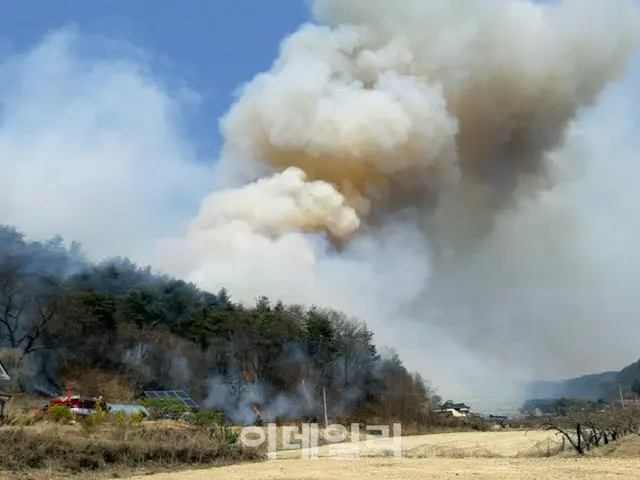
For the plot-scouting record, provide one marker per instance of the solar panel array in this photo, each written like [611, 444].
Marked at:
[179, 394]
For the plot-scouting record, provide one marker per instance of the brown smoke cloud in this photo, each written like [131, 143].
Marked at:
[420, 138]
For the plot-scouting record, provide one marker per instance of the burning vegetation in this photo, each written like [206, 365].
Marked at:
[60, 313]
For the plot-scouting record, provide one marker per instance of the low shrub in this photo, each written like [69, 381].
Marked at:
[206, 418]
[135, 417]
[165, 408]
[60, 414]
[97, 417]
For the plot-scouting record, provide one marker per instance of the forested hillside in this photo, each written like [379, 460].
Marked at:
[606, 385]
[60, 312]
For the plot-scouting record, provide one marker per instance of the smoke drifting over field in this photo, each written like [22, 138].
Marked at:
[407, 162]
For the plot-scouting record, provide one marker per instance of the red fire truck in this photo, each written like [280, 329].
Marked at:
[79, 406]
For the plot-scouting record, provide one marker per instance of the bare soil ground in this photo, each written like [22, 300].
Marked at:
[473, 455]
[438, 468]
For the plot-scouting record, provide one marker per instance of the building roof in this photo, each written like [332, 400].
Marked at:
[127, 409]
[456, 406]
[3, 373]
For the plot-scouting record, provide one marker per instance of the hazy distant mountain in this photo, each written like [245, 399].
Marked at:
[606, 385]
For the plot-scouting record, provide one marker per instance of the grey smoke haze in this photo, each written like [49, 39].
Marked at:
[231, 394]
[236, 399]
[458, 174]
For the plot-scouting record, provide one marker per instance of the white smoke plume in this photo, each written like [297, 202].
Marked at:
[413, 163]
[91, 146]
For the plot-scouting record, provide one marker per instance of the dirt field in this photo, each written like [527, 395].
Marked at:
[418, 469]
[477, 456]
[467, 444]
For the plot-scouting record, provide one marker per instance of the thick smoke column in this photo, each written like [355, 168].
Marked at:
[393, 152]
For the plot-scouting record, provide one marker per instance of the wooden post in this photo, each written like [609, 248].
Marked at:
[4, 398]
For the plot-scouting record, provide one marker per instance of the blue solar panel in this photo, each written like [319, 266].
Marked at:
[151, 394]
[189, 403]
[182, 394]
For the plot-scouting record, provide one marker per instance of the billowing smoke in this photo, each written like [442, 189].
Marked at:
[428, 166]
[412, 163]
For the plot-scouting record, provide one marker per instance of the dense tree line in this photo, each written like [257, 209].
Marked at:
[59, 311]
[560, 406]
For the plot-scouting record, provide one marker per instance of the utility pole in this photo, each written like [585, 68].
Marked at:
[324, 399]
[621, 397]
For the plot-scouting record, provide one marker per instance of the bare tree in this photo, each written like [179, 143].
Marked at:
[352, 341]
[571, 430]
[587, 428]
[13, 305]
[28, 306]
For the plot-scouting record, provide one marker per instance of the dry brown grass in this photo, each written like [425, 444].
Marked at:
[114, 387]
[20, 403]
[111, 451]
[75, 449]
[502, 443]
[628, 447]
[477, 456]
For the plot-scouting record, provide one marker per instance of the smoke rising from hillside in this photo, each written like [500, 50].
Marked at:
[407, 162]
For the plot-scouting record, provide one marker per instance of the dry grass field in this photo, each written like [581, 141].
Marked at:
[473, 455]
[459, 444]
[47, 450]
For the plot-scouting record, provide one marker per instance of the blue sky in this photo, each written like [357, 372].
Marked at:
[213, 46]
